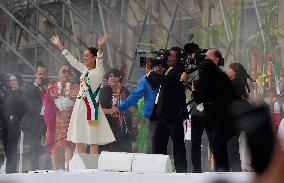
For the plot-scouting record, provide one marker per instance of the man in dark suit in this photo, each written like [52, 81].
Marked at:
[33, 119]
[215, 92]
[170, 109]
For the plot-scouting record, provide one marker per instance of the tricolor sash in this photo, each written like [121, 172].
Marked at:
[92, 104]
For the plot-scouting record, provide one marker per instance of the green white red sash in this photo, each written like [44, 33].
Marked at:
[91, 100]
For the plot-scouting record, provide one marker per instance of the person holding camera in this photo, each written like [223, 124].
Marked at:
[170, 109]
[33, 120]
[144, 89]
[14, 110]
[216, 93]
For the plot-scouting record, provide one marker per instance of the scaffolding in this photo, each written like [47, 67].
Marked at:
[79, 23]
[65, 17]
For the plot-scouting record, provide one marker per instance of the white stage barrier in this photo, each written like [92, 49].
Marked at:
[115, 161]
[136, 162]
[82, 161]
[152, 163]
[98, 176]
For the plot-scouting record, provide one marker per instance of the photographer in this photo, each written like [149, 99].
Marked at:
[215, 91]
[170, 109]
[14, 110]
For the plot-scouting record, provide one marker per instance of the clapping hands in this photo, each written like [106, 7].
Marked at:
[115, 112]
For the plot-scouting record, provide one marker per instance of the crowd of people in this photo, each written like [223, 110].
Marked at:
[89, 117]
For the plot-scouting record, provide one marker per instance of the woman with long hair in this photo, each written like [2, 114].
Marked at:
[88, 124]
[239, 151]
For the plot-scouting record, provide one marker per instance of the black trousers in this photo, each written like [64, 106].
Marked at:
[13, 134]
[234, 155]
[219, 150]
[37, 134]
[174, 129]
[151, 125]
[220, 134]
[197, 128]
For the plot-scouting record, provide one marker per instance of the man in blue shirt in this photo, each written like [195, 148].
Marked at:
[144, 89]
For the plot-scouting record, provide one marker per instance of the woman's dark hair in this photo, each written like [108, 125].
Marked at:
[241, 79]
[113, 71]
[93, 51]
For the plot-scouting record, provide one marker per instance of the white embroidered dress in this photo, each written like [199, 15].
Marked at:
[79, 130]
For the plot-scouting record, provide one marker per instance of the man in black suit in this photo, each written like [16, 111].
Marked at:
[33, 120]
[170, 109]
[215, 91]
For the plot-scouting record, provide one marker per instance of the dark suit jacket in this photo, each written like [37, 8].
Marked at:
[34, 105]
[215, 91]
[172, 100]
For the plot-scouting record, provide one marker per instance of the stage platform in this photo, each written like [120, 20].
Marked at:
[98, 176]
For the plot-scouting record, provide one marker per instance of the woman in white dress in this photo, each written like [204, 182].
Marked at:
[88, 124]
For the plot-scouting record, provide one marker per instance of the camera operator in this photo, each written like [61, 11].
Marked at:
[215, 91]
[197, 128]
[170, 109]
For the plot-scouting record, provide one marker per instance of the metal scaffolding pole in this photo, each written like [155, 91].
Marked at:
[115, 14]
[105, 32]
[17, 53]
[260, 25]
[59, 22]
[225, 21]
[172, 25]
[86, 21]
[186, 11]
[139, 40]
[30, 33]
[166, 7]
[21, 30]
[74, 33]
[62, 22]
[47, 39]
[92, 20]
[132, 11]
[36, 34]
[58, 27]
[160, 23]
